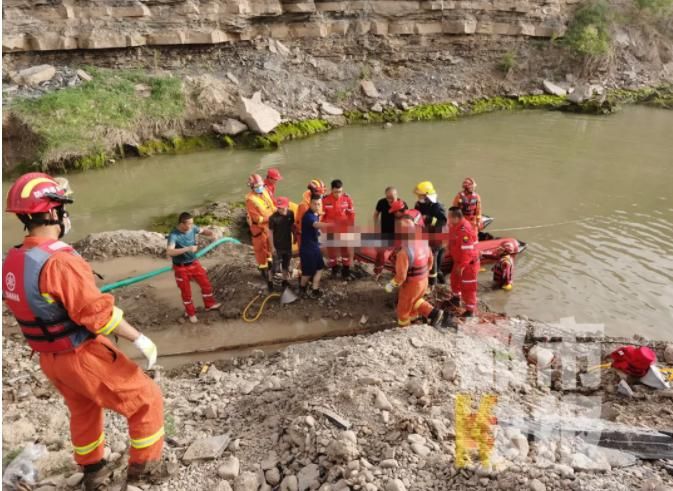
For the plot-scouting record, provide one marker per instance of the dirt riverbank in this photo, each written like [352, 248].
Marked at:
[394, 393]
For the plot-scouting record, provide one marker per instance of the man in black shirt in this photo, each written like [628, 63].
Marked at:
[384, 220]
[281, 228]
[435, 219]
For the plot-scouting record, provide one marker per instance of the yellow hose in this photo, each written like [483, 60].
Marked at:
[261, 307]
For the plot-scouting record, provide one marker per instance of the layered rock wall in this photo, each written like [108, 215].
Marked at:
[49, 25]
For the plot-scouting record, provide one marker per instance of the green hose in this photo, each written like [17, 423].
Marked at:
[165, 269]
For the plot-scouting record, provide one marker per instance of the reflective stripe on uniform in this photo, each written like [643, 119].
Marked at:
[147, 441]
[434, 220]
[467, 247]
[117, 316]
[418, 303]
[469, 281]
[48, 298]
[403, 322]
[87, 449]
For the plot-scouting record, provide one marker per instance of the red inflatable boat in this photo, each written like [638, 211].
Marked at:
[488, 247]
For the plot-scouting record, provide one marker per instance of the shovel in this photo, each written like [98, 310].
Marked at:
[288, 296]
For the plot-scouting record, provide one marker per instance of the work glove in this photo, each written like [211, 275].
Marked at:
[147, 348]
[390, 286]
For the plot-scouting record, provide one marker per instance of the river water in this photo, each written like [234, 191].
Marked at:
[592, 196]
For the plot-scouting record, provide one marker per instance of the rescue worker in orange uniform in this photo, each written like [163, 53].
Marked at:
[315, 188]
[260, 207]
[413, 261]
[339, 211]
[65, 318]
[272, 178]
[470, 203]
[503, 270]
[465, 258]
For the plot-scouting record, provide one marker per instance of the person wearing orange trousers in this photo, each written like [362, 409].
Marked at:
[65, 318]
[260, 207]
[465, 258]
[413, 261]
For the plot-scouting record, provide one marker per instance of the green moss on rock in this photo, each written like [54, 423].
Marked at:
[284, 132]
[541, 101]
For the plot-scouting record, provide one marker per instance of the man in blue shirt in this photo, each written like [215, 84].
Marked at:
[310, 254]
[182, 250]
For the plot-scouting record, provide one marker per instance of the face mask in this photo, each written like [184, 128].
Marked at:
[259, 189]
[422, 200]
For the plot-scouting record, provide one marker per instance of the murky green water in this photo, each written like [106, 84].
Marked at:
[593, 197]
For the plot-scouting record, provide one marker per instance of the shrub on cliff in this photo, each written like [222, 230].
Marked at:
[588, 32]
[78, 125]
[656, 7]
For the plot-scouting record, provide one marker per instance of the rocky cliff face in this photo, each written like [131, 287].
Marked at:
[47, 25]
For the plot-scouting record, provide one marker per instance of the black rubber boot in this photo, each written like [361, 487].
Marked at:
[449, 321]
[435, 317]
[454, 301]
[468, 313]
[346, 273]
[96, 476]
[335, 271]
[149, 473]
[285, 284]
[269, 285]
[432, 281]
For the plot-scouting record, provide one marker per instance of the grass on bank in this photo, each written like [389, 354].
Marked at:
[80, 120]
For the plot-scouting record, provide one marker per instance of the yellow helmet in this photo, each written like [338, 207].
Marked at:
[425, 187]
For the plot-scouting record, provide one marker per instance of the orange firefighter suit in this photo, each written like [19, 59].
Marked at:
[260, 207]
[412, 265]
[95, 374]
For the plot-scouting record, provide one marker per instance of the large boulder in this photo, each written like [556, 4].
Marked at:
[260, 117]
[34, 75]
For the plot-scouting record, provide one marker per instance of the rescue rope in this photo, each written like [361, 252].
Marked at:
[145, 276]
[545, 225]
[245, 317]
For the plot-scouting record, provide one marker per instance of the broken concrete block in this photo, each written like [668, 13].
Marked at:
[206, 449]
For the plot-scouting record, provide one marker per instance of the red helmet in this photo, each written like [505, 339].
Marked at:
[273, 173]
[35, 192]
[317, 186]
[282, 202]
[415, 215]
[507, 247]
[397, 205]
[255, 180]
